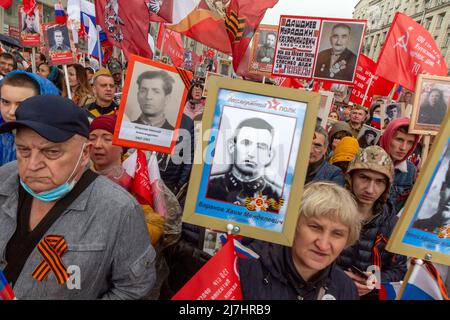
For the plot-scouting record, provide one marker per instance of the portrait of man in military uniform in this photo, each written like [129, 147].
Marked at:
[251, 149]
[59, 39]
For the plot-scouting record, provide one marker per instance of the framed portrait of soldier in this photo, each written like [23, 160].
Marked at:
[431, 104]
[423, 230]
[339, 48]
[391, 111]
[263, 50]
[368, 136]
[255, 147]
[326, 100]
[151, 107]
[30, 26]
[59, 42]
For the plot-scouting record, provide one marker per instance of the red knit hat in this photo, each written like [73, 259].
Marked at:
[106, 123]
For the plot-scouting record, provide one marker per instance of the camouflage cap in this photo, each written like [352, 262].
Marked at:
[360, 107]
[373, 158]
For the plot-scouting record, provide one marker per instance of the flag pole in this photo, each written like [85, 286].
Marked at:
[415, 264]
[66, 77]
[391, 94]
[162, 44]
[33, 59]
[99, 47]
[122, 60]
[367, 90]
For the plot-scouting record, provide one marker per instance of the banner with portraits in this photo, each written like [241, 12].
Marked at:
[250, 171]
[431, 104]
[30, 26]
[263, 50]
[319, 48]
[423, 230]
[151, 107]
[59, 42]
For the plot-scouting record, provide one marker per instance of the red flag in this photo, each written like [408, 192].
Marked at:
[160, 12]
[141, 183]
[159, 37]
[28, 6]
[288, 82]
[364, 72]
[6, 4]
[217, 280]
[173, 46]
[409, 50]
[243, 18]
[126, 25]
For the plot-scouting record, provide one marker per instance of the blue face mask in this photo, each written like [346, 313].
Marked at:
[55, 193]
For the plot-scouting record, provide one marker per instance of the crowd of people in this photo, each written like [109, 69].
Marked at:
[65, 199]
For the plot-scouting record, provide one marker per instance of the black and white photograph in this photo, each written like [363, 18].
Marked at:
[431, 104]
[341, 92]
[58, 38]
[266, 46]
[339, 48]
[251, 156]
[152, 105]
[368, 136]
[391, 111]
[435, 211]
[30, 22]
[211, 241]
[225, 67]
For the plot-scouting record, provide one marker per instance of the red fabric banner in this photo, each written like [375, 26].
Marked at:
[364, 72]
[160, 12]
[217, 280]
[141, 188]
[6, 4]
[409, 50]
[28, 6]
[243, 18]
[126, 25]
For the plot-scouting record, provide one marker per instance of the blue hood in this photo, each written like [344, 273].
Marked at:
[46, 87]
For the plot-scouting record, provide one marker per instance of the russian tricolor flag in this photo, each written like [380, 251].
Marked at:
[376, 121]
[60, 14]
[389, 290]
[6, 292]
[423, 285]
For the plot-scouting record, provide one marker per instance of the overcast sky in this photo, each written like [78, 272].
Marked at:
[316, 8]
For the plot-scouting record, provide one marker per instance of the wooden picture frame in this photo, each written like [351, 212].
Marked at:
[133, 129]
[427, 121]
[423, 230]
[213, 199]
[261, 61]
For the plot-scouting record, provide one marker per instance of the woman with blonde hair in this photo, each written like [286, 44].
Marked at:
[79, 85]
[328, 222]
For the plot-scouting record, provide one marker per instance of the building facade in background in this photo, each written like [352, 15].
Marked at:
[434, 15]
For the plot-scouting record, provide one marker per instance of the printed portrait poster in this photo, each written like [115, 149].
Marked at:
[59, 43]
[319, 48]
[273, 127]
[430, 227]
[30, 26]
[151, 107]
[431, 104]
[263, 50]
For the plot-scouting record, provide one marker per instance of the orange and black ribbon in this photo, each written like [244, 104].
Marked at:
[437, 276]
[186, 76]
[376, 256]
[52, 248]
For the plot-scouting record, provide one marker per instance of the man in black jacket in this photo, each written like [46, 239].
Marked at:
[369, 178]
[327, 223]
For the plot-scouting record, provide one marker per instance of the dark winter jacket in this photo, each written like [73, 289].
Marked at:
[273, 277]
[323, 171]
[402, 186]
[393, 267]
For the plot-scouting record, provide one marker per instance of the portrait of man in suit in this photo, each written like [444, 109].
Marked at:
[337, 62]
[61, 43]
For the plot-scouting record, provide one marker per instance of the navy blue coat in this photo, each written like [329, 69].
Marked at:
[273, 277]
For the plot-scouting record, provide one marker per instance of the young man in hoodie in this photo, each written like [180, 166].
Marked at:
[369, 177]
[400, 144]
[16, 87]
